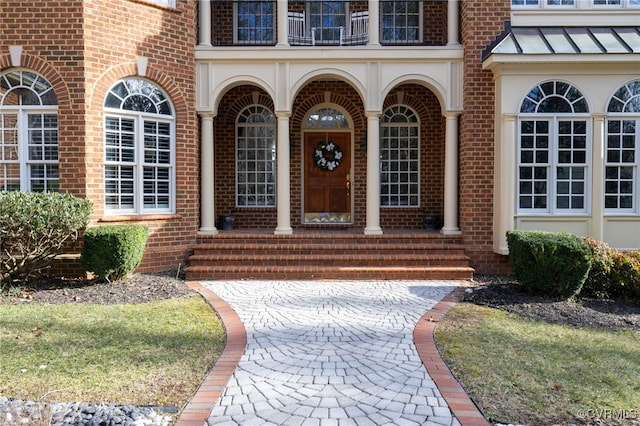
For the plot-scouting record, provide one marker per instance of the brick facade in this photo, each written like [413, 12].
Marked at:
[481, 21]
[84, 48]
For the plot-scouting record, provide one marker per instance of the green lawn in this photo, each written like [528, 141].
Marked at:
[541, 374]
[144, 354]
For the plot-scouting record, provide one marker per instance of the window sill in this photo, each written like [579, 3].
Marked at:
[152, 3]
[140, 217]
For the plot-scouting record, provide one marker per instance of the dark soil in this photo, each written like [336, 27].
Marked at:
[508, 295]
[137, 288]
[500, 292]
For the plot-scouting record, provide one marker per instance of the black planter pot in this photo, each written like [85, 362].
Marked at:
[432, 222]
[226, 222]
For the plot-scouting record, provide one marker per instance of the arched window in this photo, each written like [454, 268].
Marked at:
[554, 150]
[622, 150]
[399, 158]
[139, 149]
[256, 157]
[28, 133]
[327, 118]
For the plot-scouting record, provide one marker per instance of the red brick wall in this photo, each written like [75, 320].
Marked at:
[83, 48]
[51, 36]
[481, 22]
[116, 32]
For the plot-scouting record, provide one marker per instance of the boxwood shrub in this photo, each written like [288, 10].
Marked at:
[34, 228]
[599, 283]
[112, 252]
[549, 263]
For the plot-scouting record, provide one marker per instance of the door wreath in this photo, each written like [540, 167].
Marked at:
[327, 156]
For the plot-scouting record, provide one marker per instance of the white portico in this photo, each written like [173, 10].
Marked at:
[372, 70]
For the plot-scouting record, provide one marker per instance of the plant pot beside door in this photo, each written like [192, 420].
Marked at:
[226, 222]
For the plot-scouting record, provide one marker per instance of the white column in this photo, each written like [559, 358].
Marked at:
[597, 179]
[452, 23]
[204, 21]
[373, 174]
[504, 180]
[374, 22]
[207, 196]
[451, 176]
[283, 191]
[282, 22]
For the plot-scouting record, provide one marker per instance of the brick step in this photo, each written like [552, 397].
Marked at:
[323, 248]
[332, 259]
[319, 254]
[319, 272]
[320, 238]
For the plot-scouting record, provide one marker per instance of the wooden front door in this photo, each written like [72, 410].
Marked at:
[327, 177]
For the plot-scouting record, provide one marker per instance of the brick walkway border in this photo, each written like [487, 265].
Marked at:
[199, 407]
[459, 402]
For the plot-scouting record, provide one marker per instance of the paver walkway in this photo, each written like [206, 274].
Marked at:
[331, 353]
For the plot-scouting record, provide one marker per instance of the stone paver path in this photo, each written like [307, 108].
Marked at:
[331, 353]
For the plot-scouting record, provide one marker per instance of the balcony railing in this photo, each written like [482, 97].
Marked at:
[328, 23]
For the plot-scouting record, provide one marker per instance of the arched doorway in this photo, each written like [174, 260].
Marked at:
[327, 167]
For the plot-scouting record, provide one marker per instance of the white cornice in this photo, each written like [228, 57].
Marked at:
[622, 61]
[328, 54]
[575, 17]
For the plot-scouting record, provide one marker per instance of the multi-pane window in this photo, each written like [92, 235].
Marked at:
[622, 145]
[401, 22]
[256, 158]
[28, 133]
[139, 149]
[554, 150]
[254, 22]
[399, 158]
[327, 17]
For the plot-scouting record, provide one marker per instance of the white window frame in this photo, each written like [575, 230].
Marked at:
[269, 175]
[635, 204]
[410, 114]
[40, 88]
[625, 105]
[320, 29]
[406, 41]
[138, 164]
[539, 105]
[238, 41]
[553, 163]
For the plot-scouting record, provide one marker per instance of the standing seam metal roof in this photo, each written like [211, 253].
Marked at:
[565, 40]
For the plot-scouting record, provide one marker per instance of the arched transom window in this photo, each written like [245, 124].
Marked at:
[399, 157]
[28, 133]
[327, 118]
[139, 149]
[554, 150]
[623, 143]
[256, 157]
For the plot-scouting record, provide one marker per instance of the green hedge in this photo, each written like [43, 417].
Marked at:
[112, 252]
[34, 228]
[550, 263]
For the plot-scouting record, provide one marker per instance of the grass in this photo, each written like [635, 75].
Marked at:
[142, 354]
[541, 374]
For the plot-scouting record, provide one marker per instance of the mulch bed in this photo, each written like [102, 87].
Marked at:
[500, 292]
[506, 294]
